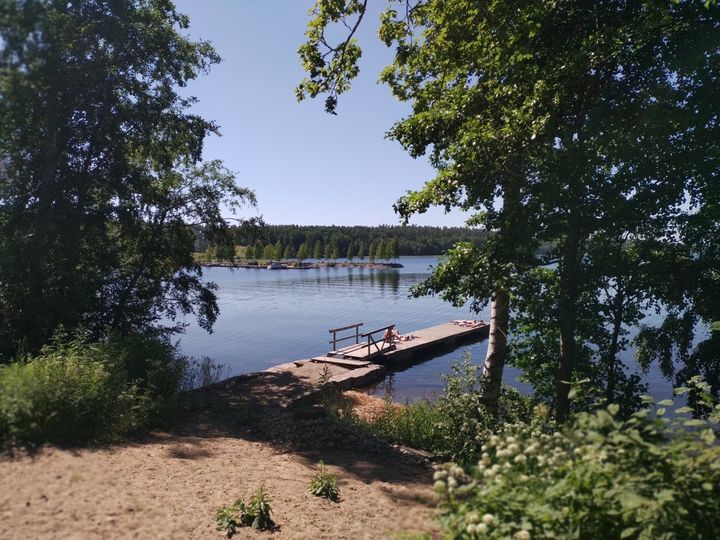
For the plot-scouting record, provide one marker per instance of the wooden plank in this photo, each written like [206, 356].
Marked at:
[344, 362]
[362, 354]
[351, 348]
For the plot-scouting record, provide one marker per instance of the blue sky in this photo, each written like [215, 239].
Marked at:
[306, 166]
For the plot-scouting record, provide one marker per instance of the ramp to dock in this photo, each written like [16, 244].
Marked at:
[367, 346]
[344, 362]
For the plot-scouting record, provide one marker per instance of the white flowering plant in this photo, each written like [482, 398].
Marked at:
[601, 476]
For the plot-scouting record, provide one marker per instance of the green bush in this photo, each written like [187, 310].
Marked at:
[324, 484]
[75, 391]
[256, 514]
[455, 423]
[70, 392]
[599, 477]
[412, 424]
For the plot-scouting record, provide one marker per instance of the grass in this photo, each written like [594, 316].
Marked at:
[412, 424]
[75, 391]
[452, 426]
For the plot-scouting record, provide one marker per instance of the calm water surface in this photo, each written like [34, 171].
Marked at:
[271, 317]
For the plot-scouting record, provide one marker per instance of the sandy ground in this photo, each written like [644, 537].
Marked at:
[169, 485]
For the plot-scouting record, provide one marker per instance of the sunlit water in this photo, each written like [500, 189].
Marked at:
[268, 317]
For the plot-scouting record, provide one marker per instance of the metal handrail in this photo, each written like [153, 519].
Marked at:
[389, 327]
[345, 327]
[371, 340]
[335, 340]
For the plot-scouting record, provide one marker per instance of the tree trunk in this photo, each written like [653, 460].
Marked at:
[567, 323]
[497, 351]
[511, 224]
[611, 360]
[40, 315]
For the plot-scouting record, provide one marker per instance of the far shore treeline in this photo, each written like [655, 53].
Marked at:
[333, 241]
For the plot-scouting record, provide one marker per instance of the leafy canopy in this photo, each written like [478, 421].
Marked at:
[101, 176]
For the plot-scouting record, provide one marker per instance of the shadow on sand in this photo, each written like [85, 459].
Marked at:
[255, 408]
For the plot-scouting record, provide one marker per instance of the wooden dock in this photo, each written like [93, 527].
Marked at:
[366, 361]
[357, 365]
[379, 349]
[442, 335]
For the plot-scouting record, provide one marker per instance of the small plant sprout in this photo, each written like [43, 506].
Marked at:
[324, 376]
[256, 514]
[324, 484]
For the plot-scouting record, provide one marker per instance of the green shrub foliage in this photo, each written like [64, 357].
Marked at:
[324, 484]
[76, 391]
[601, 476]
[256, 514]
[455, 423]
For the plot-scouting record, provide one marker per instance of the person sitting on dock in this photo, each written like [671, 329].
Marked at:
[391, 336]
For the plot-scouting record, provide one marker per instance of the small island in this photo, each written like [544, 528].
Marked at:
[300, 265]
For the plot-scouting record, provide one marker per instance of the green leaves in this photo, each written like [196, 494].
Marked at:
[601, 476]
[256, 514]
[331, 66]
[103, 190]
[324, 484]
[628, 532]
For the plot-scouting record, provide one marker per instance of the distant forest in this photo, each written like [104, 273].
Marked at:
[333, 241]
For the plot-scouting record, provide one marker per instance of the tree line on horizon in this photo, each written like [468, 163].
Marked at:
[334, 242]
[383, 249]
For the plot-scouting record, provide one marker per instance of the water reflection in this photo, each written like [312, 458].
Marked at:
[272, 317]
[386, 279]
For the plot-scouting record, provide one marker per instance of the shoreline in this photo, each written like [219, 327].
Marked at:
[302, 266]
[298, 383]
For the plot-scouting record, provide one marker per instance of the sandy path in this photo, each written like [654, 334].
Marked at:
[170, 485]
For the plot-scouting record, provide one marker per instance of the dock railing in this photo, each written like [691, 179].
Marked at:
[356, 335]
[383, 342]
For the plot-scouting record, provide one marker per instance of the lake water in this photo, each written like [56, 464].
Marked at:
[270, 317]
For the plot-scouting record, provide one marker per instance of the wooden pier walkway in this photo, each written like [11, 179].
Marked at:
[383, 350]
[366, 361]
[355, 366]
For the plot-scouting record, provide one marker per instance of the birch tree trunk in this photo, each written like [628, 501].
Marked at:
[567, 322]
[512, 223]
[497, 351]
